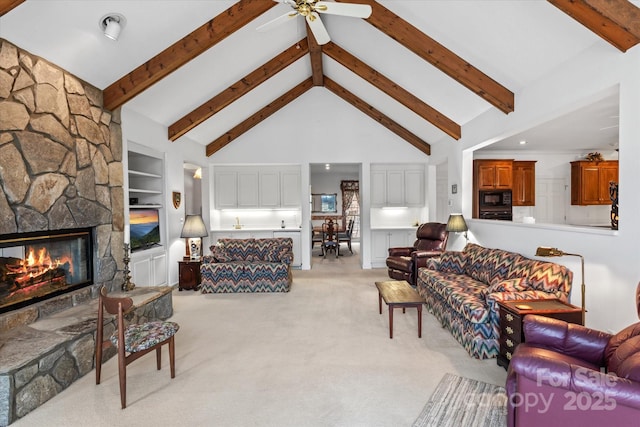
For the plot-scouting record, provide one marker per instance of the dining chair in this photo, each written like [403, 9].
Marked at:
[132, 341]
[329, 238]
[346, 235]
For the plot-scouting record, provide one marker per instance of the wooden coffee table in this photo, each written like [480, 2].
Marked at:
[399, 293]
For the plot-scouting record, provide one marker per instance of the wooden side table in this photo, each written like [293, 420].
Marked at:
[188, 274]
[512, 314]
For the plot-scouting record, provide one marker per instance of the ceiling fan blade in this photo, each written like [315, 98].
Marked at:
[344, 9]
[275, 22]
[318, 29]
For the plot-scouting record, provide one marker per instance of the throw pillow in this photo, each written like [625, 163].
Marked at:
[219, 253]
[510, 285]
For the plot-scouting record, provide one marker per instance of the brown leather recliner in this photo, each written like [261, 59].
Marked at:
[403, 263]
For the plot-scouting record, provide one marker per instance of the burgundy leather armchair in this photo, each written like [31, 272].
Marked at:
[569, 375]
[403, 262]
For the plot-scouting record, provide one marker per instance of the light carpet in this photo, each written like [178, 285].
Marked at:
[319, 355]
[459, 401]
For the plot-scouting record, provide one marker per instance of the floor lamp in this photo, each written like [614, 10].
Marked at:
[194, 230]
[544, 251]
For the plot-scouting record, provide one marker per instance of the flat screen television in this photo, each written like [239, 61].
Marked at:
[144, 228]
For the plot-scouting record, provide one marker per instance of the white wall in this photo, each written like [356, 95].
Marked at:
[145, 132]
[320, 127]
[612, 269]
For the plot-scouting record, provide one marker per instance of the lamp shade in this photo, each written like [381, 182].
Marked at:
[194, 227]
[456, 223]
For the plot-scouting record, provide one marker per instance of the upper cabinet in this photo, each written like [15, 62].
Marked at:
[257, 187]
[397, 185]
[493, 174]
[590, 181]
[524, 183]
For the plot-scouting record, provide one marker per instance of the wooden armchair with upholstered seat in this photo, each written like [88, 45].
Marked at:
[132, 341]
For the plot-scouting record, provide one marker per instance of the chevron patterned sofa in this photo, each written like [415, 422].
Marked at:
[462, 289]
[248, 265]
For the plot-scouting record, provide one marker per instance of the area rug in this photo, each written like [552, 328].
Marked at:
[459, 401]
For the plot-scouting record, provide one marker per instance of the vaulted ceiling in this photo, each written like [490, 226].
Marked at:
[421, 69]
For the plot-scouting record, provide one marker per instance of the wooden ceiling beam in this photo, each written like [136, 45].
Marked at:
[238, 89]
[183, 51]
[395, 91]
[377, 116]
[258, 117]
[439, 56]
[616, 21]
[315, 52]
[7, 6]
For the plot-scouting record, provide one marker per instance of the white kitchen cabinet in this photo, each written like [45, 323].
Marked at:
[397, 186]
[226, 188]
[263, 187]
[248, 189]
[290, 189]
[378, 188]
[383, 239]
[269, 189]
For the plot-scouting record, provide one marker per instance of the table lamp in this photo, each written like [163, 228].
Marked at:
[194, 229]
[457, 224]
[544, 251]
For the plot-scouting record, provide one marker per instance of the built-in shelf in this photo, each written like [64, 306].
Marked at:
[141, 190]
[144, 206]
[147, 174]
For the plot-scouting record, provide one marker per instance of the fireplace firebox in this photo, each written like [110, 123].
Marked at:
[40, 265]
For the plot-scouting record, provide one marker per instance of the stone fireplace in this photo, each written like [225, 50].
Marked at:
[60, 164]
[60, 176]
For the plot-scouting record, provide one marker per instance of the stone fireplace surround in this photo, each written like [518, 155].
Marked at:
[60, 168]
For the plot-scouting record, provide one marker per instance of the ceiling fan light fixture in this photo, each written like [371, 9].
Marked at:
[112, 24]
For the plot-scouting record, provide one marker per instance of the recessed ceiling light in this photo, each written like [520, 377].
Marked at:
[327, 166]
[523, 142]
[112, 24]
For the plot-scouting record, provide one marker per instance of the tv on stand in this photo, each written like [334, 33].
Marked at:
[144, 228]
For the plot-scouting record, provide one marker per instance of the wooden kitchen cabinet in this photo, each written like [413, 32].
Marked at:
[493, 174]
[590, 181]
[524, 183]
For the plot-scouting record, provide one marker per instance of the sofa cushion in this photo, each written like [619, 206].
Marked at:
[509, 285]
[549, 277]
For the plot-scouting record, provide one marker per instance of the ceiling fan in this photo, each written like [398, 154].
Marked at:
[311, 9]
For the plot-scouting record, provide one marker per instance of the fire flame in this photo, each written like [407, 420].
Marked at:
[34, 264]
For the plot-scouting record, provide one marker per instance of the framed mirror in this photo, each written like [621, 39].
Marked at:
[324, 203]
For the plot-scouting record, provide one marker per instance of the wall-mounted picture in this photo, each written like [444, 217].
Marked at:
[176, 197]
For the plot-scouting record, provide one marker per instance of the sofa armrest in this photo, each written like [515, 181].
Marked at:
[420, 257]
[402, 251]
[542, 368]
[208, 259]
[567, 338]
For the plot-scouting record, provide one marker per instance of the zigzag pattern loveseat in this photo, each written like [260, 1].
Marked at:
[461, 289]
[248, 265]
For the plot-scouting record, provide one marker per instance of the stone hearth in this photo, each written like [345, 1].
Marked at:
[39, 360]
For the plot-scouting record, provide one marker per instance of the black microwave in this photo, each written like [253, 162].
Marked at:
[495, 199]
